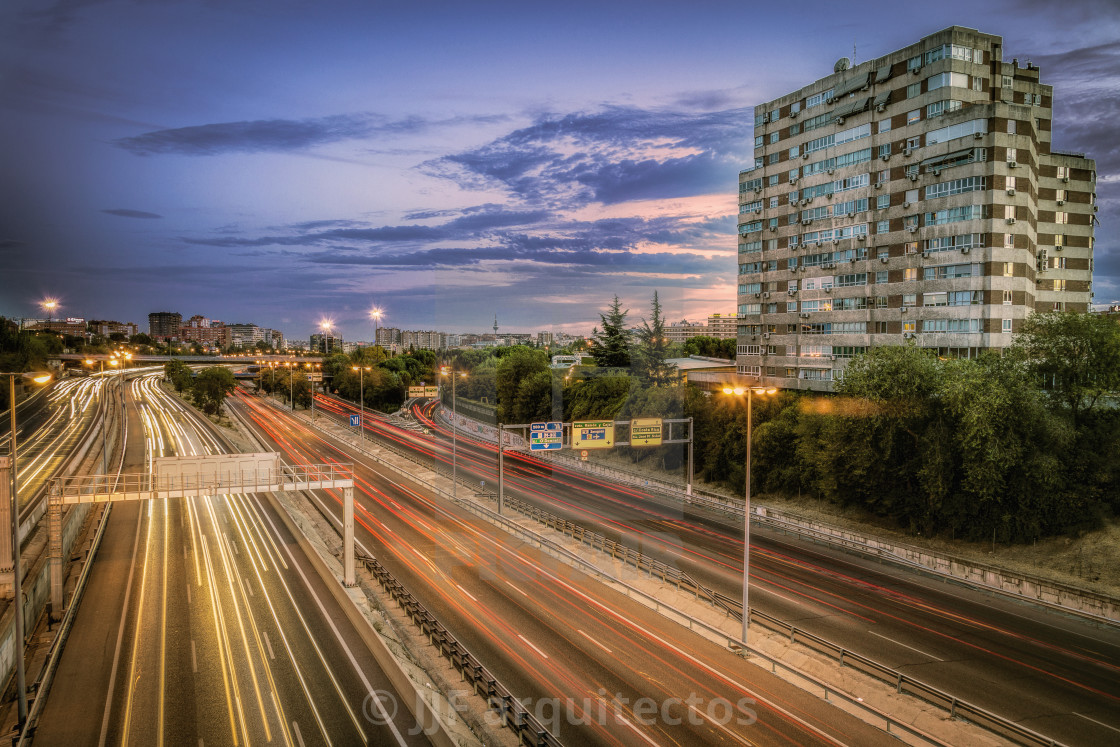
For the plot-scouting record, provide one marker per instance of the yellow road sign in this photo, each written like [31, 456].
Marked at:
[593, 434]
[645, 432]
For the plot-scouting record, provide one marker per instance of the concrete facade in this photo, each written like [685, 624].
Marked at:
[914, 197]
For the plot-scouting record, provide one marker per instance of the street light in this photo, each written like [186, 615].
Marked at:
[104, 452]
[49, 305]
[750, 391]
[291, 385]
[446, 371]
[375, 314]
[311, 384]
[17, 573]
[362, 397]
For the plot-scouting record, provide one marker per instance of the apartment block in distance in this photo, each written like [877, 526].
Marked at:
[912, 199]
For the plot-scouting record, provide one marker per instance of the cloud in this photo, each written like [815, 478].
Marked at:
[126, 213]
[611, 156]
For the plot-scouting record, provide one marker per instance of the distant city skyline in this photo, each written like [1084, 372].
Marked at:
[445, 162]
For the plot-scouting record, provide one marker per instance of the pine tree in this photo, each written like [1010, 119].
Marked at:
[610, 348]
[653, 349]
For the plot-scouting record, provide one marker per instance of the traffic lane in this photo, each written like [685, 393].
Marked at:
[443, 548]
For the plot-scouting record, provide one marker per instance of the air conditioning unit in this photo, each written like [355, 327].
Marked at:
[828, 289]
[831, 171]
[903, 310]
[805, 155]
[878, 185]
[881, 108]
[758, 210]
[793, 180]
[1011, 221]
[758, 190]
[853, 259]
[773, 228]
[1058, 248]
[804, 316]
[925, 255]
[885, 157]
[852, 214]
[766, 294]
[818, 242]
[1065, 180]
[966, 250]
[758, 295]
[801, 268]
[978, 135]
[765, 335]
[1011, 191]
[807, 221]
[793, 115]
[1012, 164]
[937, 172]
[861, 237]
[906, 204]
[828, 195]
[884, 259]
[915, 70]
[791, 292]
[1062, 202]
[905, 151]
[830, 266]
[908, 335]
[832, 357]
[911, 229]
[839, 120]
[913, 177]
[836, 241]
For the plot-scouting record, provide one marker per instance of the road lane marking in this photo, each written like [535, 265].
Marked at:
[718, 725]
[516, 589]
[637, 731]
[1098, 723]
[194, 657]
[923, 653]
[268, 644]
[295, 730]
[530, 645]
[585, 635]
[466, 592]
[188, 592]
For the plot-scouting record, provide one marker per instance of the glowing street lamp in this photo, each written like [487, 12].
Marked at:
[375, 314]
[750, 391]
[49, 305]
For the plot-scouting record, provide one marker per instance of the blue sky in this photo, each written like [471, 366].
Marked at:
[279, 162]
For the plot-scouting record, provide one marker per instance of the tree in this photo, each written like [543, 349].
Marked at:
[653, 349]
[516, 369]
[1075, 356]
[211, 387]
[710, 347]
[179, 374]
[611, 347]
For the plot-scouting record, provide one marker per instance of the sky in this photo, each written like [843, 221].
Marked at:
[282, 162]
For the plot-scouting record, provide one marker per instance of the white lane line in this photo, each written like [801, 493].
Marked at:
[248, 586]
[194, 658]
[923, 653]
[188, 592]
[516, 589]
[185, 556]
[295, 729]
[723, 727]
[1098, 723]
[465, 592]
[636, 729]
[268, 644]
[231, 544]
[530, 645]
[585, 635]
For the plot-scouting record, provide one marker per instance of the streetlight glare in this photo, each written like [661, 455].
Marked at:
[42, 379]
[375, 313]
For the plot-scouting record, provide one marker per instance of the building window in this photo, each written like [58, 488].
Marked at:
[913, 143]
[885, 125]
[884, 150]
[1007, 81]
[1058, 263]
[910, 247]
[773, 137]
[1061, 217]
[1059, 239]
[909, 325]
[881, 277]
[1059, 284]
[914, 116]
[1011, 126]
[794, 129]
[1009, 241]
[882, 202]
[913, 90]
[880, 302]
[1007, 298]
[773, 180]
[910, 273]
[758, 141]
[1010, 182]
[1007, 326]
[1008, 270]
[1012, 154]
[977, 83]
[1009, 212]
[1063, 172]
[880, 328]
[883, 226]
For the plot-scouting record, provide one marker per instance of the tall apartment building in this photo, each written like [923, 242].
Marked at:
[164, 325]
[912, 197]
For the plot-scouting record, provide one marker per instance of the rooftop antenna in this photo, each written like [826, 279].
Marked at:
[854, 58]
[495, 325]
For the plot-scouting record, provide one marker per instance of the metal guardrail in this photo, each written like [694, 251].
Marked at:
[529, 730]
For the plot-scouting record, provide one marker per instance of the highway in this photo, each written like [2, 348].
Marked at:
[1053, 673]
[597, 667]
[205, 624]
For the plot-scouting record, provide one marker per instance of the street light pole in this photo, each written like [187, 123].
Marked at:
[749, 391]
[446, 371]
[362, 398]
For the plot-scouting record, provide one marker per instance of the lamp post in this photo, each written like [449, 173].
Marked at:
[291, 386]
[49, 305]
[446, 371]
[311, 384]
[750, 391]
[375, 314]
[361, 397]
[17, 573]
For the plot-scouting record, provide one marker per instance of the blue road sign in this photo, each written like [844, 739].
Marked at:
[354, 420]
[546, 436]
